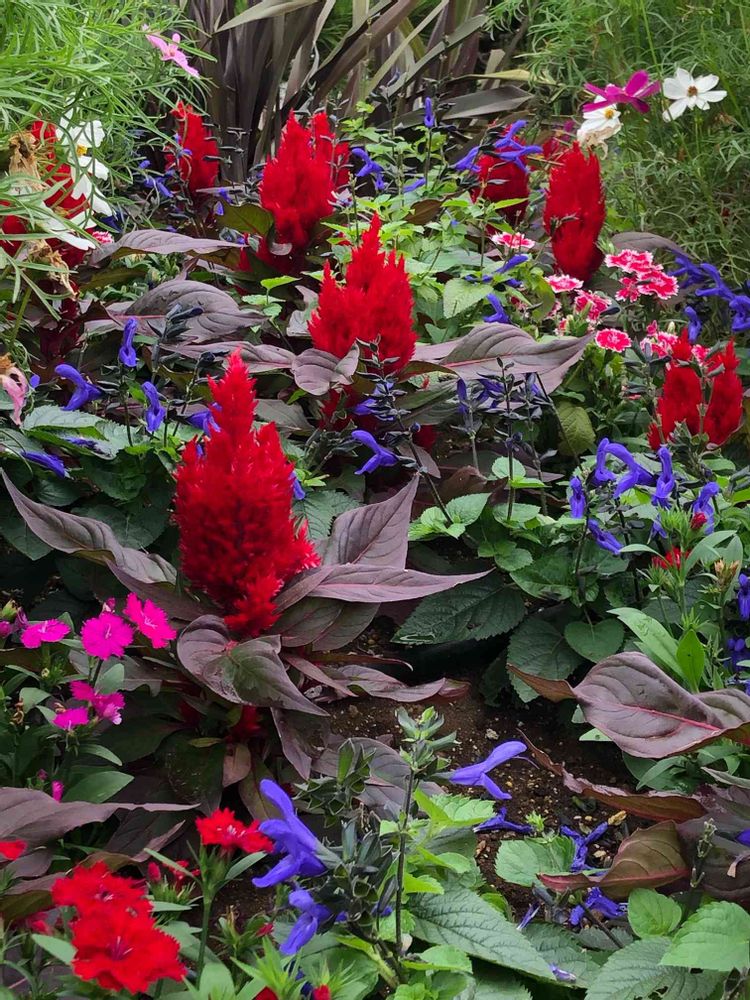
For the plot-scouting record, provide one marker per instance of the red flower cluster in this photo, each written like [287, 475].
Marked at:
[224, 829]
[299, 185]
[196, 147]
[238, 538]
[682, 396]
[117, 943]
[374, 305]
[574, 213]
[670, 560]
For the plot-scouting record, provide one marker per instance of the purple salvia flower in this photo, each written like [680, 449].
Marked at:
[743, 596]
[290, 836]
[469, 161]
[477, 775]
[703, 504]
[499, 822]
[154, 413]
[429, 114]
[47, 462]
[582, 843]
[498, 315]
[604, 539]
[369, 167]
[84, 391]
[599, 903]
[126, 354]
[577, 498]
[312, 915]
[381, 457]
[665, 483]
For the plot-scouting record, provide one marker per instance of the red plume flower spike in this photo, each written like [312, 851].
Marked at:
[238, 538]
[196, 144]
[682, 395]
[574, 213]
[374, 305]
[300, 183]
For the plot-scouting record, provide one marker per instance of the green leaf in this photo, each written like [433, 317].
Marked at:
[506, 553]
[63, 951]
[633, 972]
[475, 610]
[559, 947]
[467, 510]
[654, 640]
[97, 787]
[492, 985]
[716, 938]
[539, 648]
[651, 914]
[17, 533]
[321, 507]
[55, 416]
[460, 810]
[577, 433]
[442, 956]
[464, 920]
[552, 577]
[522, 861]
[691, 657]
[422, 883]
[460, 295]
[594, 642]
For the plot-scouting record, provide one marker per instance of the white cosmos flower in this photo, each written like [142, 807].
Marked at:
[81, 140]
[598, 126]
[688, 91]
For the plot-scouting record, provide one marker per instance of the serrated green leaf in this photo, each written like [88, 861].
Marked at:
[460, 810]
[538, 647]
[651, 914]
[552, 577]
[321, 507]
[561, 948]
[491, 985]
[442, 956]
[475, 610]
[422, 883]
[464, 920]
[633, 972]
[460, 295]
[715, 938]
[522, 861]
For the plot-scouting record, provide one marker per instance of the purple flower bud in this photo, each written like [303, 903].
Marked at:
[126, 354]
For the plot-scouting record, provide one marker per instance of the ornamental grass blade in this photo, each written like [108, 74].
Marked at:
[647, 713]
[646, 860]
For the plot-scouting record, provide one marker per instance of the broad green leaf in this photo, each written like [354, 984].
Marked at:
[716, 938]
[475, 610]
[552, 577]
[492, 985]
[654, 640]
[442, 956]
[540, 649]
[321, 507]
[97, 787]
[466, 510]
[691, 657]
[460, 295]
[522, 861]
[63, 951]
[422, 883]
[651, 914]
[466, 921]
[561, 948]
[460, 810]
[633, 972]
[507, 554]
[577, 433]
[594, 642]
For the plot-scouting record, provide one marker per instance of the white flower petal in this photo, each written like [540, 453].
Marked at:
[714, 95]
[673, 89]
[675, 110]
[704, 83]
[684, 78]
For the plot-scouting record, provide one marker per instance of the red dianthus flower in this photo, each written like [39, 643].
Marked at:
[574, 213]
[238, 538]
[96, 887]
[299, 185]
[196, 145]
[682, 395]
[374, 305]
[123, 951]
[224, 829]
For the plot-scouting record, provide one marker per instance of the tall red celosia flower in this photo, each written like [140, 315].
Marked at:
[299, 183]
[682, 395]
[197, 145]
[238, 538]
[123, 951]
[574, 213]
[374, 305]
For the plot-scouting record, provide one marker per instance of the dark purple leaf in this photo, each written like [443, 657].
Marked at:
[382, 584]
[258, 358]
[287, 416]
[373, 535]
[238, 763]
[325, 676]
[644, 241]
[177, 606]
[317, 372]
[31, 815]
[645, 712]
[221, 316]
[88, 538]
[379, 685]
[648, 859]
[487, 102]
[200, 647]
[294, 736]
[159, 241]
[260, 677]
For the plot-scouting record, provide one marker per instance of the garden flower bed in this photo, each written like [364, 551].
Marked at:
[374, 511]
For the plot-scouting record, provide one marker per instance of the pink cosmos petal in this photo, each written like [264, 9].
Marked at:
[150, 620]
[50, 630]
[70, 718]
[105, 636]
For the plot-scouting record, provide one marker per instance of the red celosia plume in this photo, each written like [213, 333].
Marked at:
[300, 182]
[238, 538]
[682, 396]
[197, 145]
[373, 305]
[574, 213]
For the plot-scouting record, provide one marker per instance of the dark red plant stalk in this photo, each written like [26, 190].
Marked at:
[373, 305]
[299, 186]
[239, 542]
[197, 145]
[574, 213]
[682, 395]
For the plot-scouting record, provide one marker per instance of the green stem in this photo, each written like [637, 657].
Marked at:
[13, 334]
[208, 900]
[402, 863]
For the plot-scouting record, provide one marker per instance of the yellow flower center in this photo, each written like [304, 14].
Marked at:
[609, 113]
[81, 150]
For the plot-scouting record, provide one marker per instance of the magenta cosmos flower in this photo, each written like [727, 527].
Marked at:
[150, 621]
[50, 630]
[633, 93]
[105, 636]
